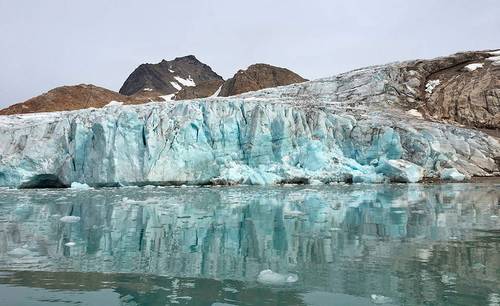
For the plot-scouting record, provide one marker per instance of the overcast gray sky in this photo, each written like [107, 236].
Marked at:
[45, 44]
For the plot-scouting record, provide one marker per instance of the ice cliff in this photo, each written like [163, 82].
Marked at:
[354, 127]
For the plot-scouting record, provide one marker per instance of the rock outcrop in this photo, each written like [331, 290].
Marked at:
[255, 77]
[168, 77]
[351, 127]
[462, 88]
[67, 98]
[202, 90]
[258, 76]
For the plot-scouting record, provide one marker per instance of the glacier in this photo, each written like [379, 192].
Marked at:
[353, 127]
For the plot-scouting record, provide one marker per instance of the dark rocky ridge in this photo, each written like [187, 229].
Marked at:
[159, 77]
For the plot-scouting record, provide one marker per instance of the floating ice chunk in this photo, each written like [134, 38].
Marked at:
[415, 113]
[70, 219]
[114, 103]
[70, 244]
[76, 185]
[380, 299]
[19, 252]
[494, 299]
[268, 277]
[451, 174]
[176, 85]
[229, 289]
[429, 87]
[186, 82]
[399, 170]
[473, 67]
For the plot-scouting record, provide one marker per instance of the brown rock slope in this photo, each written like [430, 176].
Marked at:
[255, 77]
[70, 98]
[463, 88]
[258, 76]
[202, 90]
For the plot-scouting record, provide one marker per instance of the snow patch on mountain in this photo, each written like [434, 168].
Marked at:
[217, 92]
[474, 66]
[185, 82]
[176, 85]
[431, 85]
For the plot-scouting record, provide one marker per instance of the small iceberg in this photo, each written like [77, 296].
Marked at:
[70, 219]
[70, 244]
[380, 299]
[451, 174]
[76, 185]
[268, 277]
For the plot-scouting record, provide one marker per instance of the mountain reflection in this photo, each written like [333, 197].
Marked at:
[349, 239]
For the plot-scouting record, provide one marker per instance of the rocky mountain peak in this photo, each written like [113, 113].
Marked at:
[259, 76]
[168, 77]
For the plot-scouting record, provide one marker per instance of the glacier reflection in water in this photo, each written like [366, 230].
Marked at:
[349, 244]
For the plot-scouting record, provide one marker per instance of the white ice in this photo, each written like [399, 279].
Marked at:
[473, 67]
[168, 97]
[114, 103]
[176, 85]
[415, 113]
[268, 277]
[216, 93]
[77, 185]
[186, 82]
[70, 219]
[429, 87]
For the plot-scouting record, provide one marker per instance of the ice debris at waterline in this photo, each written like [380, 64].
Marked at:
[76, 185]
[380, 299]
[268, 277]
[351, 127]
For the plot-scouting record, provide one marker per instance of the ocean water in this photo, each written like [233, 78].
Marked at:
[416, 244]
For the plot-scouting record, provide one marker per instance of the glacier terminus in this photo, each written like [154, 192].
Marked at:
[359, 126]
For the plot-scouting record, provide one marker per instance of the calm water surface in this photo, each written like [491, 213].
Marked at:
[348, 245]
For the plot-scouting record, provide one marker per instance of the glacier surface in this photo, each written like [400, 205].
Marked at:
[347, 128]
